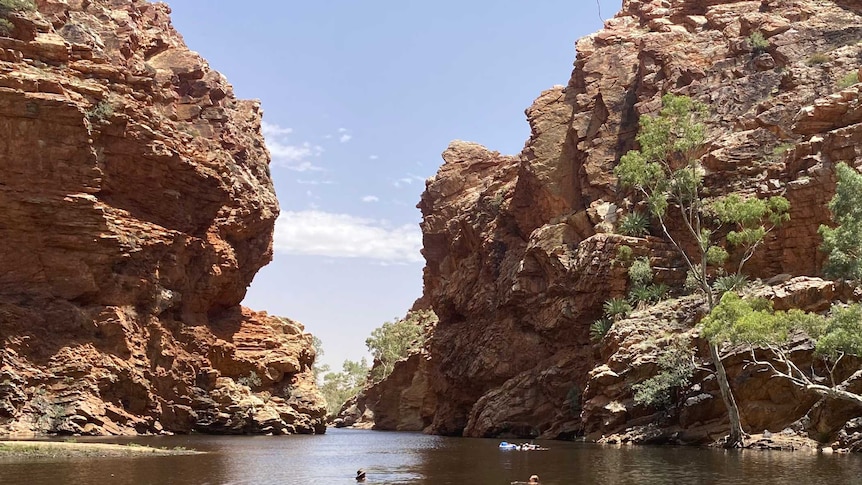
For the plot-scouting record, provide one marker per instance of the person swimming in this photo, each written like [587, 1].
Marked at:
[534, 480]
[360, 475]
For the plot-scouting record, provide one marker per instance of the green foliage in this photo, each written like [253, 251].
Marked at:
[8, 7]
[840, 333]
[675, 371]
[848, 80]
[752, 321]
[666, 171]
[781, 149]
[394, 341]
[739, 320]
[100, 111]
[758, 42]
[6, 27]
[617, 309]
[11, 6]
[338, 387]
[318, 369]
[634, 224]
[751, 219]
[643, 291]
[252, 380]
[734, 282]
[640, 272]
[843, 243]
[817, 58]
[667, 140]
[643, 295]
[692, 284]
[600, 328]
[624, 255]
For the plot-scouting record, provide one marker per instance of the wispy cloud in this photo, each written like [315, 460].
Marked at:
[373, 157]
[314, 182]
[370, 198]
[345, 135]
[271, 130]
[292, 156]
[317, 233]
[408, 180]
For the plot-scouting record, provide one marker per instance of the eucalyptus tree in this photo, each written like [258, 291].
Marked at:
[667, 174]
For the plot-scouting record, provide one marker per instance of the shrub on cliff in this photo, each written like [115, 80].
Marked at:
[758, 42]
[11, 6]
[843, 243]
[667, 174]
[394, 341]
[753, 322]
[675, 370]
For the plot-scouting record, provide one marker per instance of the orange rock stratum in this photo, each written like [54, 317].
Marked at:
[136, 206]
[520, 249]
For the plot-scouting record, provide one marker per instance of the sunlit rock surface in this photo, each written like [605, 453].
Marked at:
[136, 206]
[520, 252]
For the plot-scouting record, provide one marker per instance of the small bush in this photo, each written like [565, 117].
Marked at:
[781, 149]
[675, 371]
[818, 58]
[100, 111]
[599, 329]
[848, 80]
[640, 295]
[659, 292]
[640, 272]
[251, 381]
[734, 282]
[11, 6]
[617, 308]
[758, 43]
[691, 285]
[6, 28]
[643, 295]
[635, 224]
[624, 255]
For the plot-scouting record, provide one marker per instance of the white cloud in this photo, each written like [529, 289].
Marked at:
[370, 198]
[343, 130]
[408, 180]
[314, 182]
[345, 138]
[317, 233]
[373, 157]
[287, 154]
[272, 130]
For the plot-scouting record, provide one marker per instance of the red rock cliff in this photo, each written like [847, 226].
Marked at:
[136, 206]
[519, 249]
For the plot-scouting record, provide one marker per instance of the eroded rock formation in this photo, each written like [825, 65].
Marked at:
[520, 249]
[135, 208]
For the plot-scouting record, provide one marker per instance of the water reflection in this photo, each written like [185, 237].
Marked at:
[394, 458]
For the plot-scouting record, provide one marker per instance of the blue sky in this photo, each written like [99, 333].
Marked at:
[360, 98]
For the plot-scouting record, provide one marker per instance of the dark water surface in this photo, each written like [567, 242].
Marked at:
[415, 458]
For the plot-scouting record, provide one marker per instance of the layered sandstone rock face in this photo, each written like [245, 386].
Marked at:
[520, 249]
[135, 208]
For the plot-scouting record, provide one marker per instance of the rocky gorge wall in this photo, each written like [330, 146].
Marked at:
[519, 249]
[136, 206]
